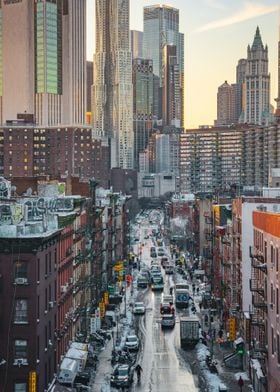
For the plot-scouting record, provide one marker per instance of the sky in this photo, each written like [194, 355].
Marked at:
[217, 33]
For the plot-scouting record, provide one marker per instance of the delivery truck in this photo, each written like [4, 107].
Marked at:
[189, 331]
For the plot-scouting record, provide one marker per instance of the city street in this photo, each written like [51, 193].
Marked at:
[163, 368]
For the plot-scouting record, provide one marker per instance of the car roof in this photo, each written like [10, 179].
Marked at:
[122, 366]
[131, 336]
[139, 303]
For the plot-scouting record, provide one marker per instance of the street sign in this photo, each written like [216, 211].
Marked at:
[111, 289]
[106, 298]
[93, 324]
[32, 381]
[118, 268]
[102, 309]
[97, 318]
[232, 329]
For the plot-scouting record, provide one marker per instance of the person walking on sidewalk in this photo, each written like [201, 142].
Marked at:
[240, 383]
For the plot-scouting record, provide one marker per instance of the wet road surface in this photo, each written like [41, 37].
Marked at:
[163, 368]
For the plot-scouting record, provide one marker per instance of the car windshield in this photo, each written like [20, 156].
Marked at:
[122, 372]
[139, 304]
[131, 339]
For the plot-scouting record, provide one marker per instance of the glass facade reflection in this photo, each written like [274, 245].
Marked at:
[48, 48]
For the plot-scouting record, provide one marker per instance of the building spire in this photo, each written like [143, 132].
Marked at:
[277, 113]
[257, 44]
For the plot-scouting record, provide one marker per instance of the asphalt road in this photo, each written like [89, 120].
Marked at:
[163, 368]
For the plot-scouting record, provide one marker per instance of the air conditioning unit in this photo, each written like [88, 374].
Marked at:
[20, 361]
[271, 306]
[63, 289]
[50, 342]
[51, 304]
[20, 280]
[71, 280]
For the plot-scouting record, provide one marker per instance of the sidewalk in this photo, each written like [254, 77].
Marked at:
[101, 381]
[102, 378]
[227, 376]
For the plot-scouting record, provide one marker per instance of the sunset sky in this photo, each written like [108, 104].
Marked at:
[217, 33]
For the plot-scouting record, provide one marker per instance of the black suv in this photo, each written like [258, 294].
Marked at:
[122, 376]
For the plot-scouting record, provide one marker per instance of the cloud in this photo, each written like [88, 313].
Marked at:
[249, 11]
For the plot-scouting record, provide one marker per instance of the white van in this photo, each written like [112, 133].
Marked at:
[68, 371]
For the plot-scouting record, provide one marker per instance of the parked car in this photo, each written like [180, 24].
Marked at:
[122, 376]
[132, 343]
[139, 308]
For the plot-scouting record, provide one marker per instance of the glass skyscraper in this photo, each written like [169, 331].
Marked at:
[112, 85]
[43, 61]
[161, 28]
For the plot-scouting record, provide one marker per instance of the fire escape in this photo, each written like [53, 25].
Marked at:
[208, 247]
[259, 308]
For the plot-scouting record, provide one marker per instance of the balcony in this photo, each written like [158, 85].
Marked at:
[257, 261]
[256, 287]
[259, 302]
[257, 321]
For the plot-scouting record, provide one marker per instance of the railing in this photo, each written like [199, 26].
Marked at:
[255, 286]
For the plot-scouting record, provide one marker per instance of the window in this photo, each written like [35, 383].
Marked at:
[278, 349]
[272, 341]
[21, 312]
[277, 301]
[46, 265]
[38, 270]
[20, 387]
[20, 272]
[277, 260]
[21, 350]
[50, 262]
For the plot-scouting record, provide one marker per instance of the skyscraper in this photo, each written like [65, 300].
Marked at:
[136, 44]
[278, 89]
[112, 85]
[171, 91]
[42, 75]
[225, 104]
[239, 88]
[257, 83]
[142, 77]
[161, 27]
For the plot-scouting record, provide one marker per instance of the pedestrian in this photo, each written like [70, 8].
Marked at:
[171, 290]
[240, 383]
[200, 305]
[197, 291]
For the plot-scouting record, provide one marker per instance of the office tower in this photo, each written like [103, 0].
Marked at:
[142, 78]
[162, 151]
[225, 104]
[136, 44]
[112, 85]
[171, 92]
[239, 89]
[89, 84]
[277, 114]
[257, 83]
[161, 28]
[42, 78]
